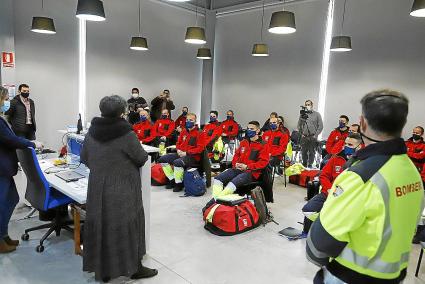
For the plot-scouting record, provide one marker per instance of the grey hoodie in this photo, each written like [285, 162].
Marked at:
[313, 126]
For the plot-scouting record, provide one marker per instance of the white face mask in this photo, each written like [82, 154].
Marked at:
[134, 95]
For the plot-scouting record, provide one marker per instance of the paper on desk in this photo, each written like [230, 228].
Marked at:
[81, 184]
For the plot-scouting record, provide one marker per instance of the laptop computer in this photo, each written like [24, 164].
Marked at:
[69, 176]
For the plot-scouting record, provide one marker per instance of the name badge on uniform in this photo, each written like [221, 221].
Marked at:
[266, 138]
[160, 124]
[337, 169]
[243, 150]
[338, 191]
[184, 138]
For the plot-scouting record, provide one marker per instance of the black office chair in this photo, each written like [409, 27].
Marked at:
[265, 181]
[42, 197]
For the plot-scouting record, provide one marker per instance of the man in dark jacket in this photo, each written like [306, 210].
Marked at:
[21, 114]
[135, 103]
[160, 103]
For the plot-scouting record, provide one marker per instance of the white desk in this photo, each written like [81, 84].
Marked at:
[78, 190]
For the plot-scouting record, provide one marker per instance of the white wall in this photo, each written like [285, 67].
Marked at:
[49, 65]
[170, 63]
[254, 87]
[388, 52]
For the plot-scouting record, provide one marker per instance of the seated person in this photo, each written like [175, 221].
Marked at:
[181, 120]
[164, 128]
[266, 125]
[282, 127]
[190, 145]
[251, 157]
[229, 127]
[423, 175]
[144, 128]
[416, 147]
[335, 166]
[338, 134]
[276, 141]
[354, 128]
[212, 132]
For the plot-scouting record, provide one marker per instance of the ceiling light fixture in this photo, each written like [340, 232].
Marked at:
[261, 49]
[341, 43]
[282, 22]
[204, 53]
[43, 25]
[195, 35]
[90, 10]
[418, 8]
[139, 42]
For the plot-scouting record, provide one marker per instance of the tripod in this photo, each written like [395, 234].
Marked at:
[303, 119]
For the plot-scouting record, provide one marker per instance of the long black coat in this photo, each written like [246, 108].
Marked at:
[17, 115]
[157, 107]
[114, 229]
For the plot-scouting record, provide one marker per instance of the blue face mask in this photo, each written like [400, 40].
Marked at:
[164, 116]
[5, 107]
[349, 151]
[251, 133]
[185, 113]
[273, 126]
[341, 124]
[143, 118]
[189, 124]
[229, 117]
[213, 119]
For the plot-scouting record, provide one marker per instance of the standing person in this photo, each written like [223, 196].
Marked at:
[338, 134]
[9, 197]
[310, 125]
[416, 147]
[161, 102]
[181, 120]
[365, 228]
[21, 114]
[135, 103]
[114, 229]
[266, 125]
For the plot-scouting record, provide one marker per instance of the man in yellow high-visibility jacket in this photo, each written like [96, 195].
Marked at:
[364, 231]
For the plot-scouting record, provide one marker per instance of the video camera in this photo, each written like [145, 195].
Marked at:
[303, 112]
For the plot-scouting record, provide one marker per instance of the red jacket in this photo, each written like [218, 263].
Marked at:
[181, 121]
[277, 142]
[285, 131]
[192, 142]
[335, 136]
[230, 127]
[423, 174]
[416, 152]
[164, 127]
[212, 131]
[331, 171]
[254, 154]
[144, 131]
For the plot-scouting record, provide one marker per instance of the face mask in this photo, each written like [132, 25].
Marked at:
[189, 124]
[341, 124]
[416, 137]
[185, 113]
[5, 107]
[25, 95]
[273, 126]
[143, 118]
[229, 117]
[135, 95]
[164, 116]
[349, 151]
[368, 138]
[213, 119]
[251, 133]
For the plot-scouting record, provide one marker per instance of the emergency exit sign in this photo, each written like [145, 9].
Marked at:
[8, 59]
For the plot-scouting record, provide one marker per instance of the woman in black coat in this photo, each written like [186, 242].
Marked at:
[114, 229]
[9, 197]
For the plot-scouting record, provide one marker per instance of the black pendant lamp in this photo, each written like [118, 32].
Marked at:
[139, 42]
[43, 25]
[204, 53]
[282, 22]
[341, 43]
[261, 49]
[90, 10]
[418, 8]
[195, 35]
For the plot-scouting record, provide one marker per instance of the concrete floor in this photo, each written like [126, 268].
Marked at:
[182, 250]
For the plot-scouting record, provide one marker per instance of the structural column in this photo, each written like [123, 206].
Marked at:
[7, 44]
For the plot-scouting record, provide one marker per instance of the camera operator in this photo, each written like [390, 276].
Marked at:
[310, 125]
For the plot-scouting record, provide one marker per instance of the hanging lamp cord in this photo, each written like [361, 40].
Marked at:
[343, 18]
[262, 23]
[196, 13]
[140, 12]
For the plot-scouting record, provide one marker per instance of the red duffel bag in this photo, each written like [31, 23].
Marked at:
[157, 175]
[227, 219]
[303, 178]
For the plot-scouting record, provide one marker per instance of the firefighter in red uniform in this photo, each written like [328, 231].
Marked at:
[164, 128]
[212, 130]
[181, 120]
[416, 147]
[144, 129]
[423, 175]
[190, 145]
[229, 127]
[251, 157]
[276, 141]
[335, 166]
[338, 134]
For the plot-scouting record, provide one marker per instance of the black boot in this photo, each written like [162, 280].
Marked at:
[178, 187]
[144, 272]
[418, 236]
[171, 184]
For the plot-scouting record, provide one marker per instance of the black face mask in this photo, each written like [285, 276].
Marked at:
[368, 138]
[25, 95]
[416, 137]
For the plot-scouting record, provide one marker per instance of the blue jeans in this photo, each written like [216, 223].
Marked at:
[237, 177]
[8, 199]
